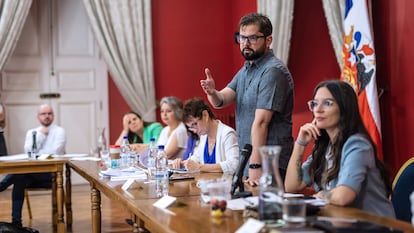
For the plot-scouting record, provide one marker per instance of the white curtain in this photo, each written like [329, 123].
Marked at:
[123, 32]
[280, 13]
[13, 14]
[334, 13]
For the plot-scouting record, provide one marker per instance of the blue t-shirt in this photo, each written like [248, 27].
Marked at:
[265, 84]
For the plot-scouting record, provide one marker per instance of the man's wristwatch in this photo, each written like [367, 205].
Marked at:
[255, 165]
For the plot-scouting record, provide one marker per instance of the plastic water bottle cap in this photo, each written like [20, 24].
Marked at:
[160, 147]
[125, 137]
[152, 139]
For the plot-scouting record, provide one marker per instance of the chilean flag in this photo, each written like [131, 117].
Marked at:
[359, 66]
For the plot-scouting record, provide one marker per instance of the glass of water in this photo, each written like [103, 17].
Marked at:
[105, 157]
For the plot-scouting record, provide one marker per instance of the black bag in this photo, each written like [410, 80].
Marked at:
[6, 227]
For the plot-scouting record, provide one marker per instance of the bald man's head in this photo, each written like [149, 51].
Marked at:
[45, 115]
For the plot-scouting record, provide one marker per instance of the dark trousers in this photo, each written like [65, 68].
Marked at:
[20, 182]
[3, 148]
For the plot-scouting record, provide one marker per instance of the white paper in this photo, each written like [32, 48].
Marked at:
[86, 158]
[316, 202]
[164, 202]
[254, 200]
[124, 174]
[287, 195]
[44, 156]
[14, 157]
[70, 155]
[242, 203]
[251, 226]
[237, 204]
[134, 177]
[128, 184]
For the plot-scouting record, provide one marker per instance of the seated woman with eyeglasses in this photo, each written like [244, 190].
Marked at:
[218, 150]
[343, 167]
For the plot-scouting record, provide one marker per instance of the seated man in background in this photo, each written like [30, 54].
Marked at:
[49, 139]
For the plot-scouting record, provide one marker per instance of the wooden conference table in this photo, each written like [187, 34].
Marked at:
[188, 213]
[55, 166]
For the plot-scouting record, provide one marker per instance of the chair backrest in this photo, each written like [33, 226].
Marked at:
[403, 186]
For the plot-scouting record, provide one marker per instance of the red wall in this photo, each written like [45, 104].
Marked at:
[394, 36]
[190, 35]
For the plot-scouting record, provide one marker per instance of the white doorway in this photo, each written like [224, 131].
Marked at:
[56, 61]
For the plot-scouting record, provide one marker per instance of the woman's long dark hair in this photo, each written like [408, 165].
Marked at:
[350, 123]
[133, 137]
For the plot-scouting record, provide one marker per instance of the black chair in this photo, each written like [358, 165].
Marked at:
[403, 186]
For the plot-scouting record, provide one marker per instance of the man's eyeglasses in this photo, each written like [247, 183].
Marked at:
[326, 104]
[46, 113]
[240, 39]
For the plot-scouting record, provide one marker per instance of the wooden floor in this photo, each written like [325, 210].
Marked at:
[113, 215]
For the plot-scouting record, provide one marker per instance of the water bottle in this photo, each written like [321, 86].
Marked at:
[152, 153]
[125, 149]
[161, 172]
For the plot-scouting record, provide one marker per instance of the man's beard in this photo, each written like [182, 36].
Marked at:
[46, 123]
[254, 55]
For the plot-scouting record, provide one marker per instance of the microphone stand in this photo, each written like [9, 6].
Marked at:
[238, 176]
[241, 193]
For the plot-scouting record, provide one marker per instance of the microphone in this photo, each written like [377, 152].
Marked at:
[33, 152]
[34, 146]
[238, 175]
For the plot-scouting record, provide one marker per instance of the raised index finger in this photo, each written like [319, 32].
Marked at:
[208, 74]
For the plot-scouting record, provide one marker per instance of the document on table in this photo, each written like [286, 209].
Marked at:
[15, 157]
[116, 174]
[242, 203]
[70, 156]
[87, 158]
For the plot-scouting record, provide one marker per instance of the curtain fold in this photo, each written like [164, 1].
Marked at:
[13, 15]
[280, 13]
[334, 13]
[123, 32]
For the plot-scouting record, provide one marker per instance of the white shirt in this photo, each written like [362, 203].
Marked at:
[52, 143]
[227, 149]
[182, 137]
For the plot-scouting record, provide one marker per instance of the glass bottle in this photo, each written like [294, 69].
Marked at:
[101, 141]
[270, 186]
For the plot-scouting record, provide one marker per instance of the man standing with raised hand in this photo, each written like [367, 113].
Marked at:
[263, 93]
[50, 139]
